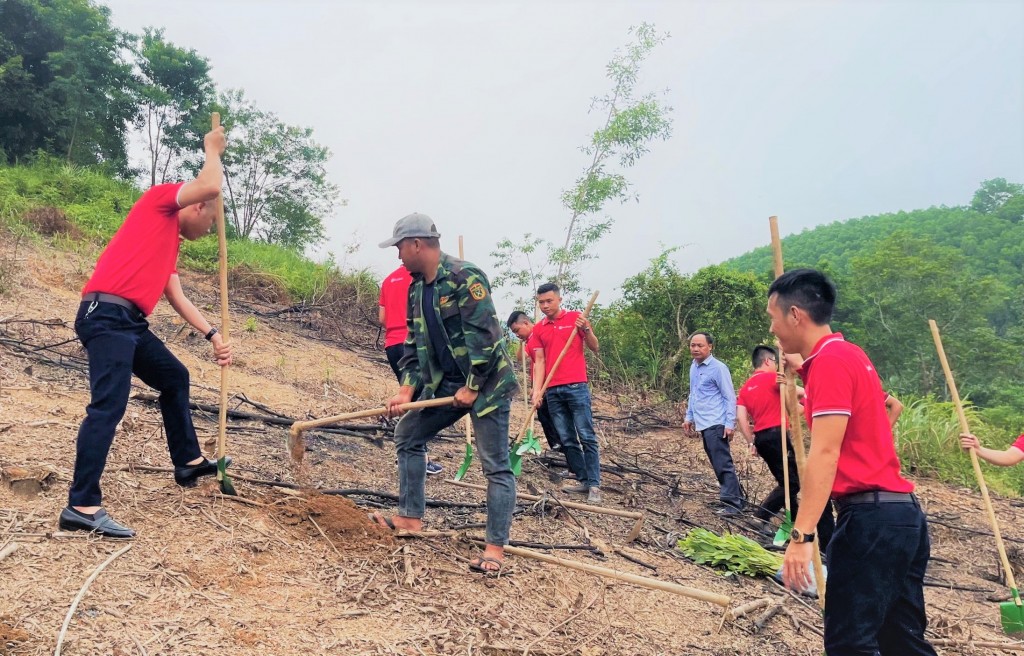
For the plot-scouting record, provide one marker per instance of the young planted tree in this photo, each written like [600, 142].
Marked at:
[175, 92]
[631, 122]
[276, 176]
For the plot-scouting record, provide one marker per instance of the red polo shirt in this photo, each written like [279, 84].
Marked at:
[1019, 443]
[551, 336]
[760, 396]
[841, 380]
[142, 255]
[394, 298]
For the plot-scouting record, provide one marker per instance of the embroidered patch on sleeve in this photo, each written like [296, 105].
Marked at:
[478, 291]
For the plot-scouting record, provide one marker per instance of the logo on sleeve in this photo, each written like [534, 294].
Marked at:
[478, 291]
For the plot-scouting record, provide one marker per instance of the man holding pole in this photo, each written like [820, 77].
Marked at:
[759, 401]
[880, 549]
[522, 326]
[568, 393]
[138, 266]
[455, 347]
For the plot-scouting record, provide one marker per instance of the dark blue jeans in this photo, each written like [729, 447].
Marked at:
[118, 342]
[717, 448]
[569, 406]
[874, 597]
[490, 431]
[546, 425]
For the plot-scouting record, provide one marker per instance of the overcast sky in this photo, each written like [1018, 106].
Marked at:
[473, 112]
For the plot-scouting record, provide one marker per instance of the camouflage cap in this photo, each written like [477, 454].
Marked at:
[413, 225]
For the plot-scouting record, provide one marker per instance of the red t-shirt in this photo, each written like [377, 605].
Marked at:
[394, 298]
[551, 336]
[1019, 443]
[760, 396]
[143, 254]
[841, 380]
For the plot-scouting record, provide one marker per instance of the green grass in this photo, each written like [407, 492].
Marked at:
[928, 442]
[97, 205]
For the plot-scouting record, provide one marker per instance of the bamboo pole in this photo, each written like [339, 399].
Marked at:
[1007, 568]
[225, 330]
[599, 510]
[794, 423]
[773, 225]
[642, 581]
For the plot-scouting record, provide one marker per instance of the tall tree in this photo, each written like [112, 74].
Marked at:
[65, 86]
[631, 122]
[276, 176]
[175, 91]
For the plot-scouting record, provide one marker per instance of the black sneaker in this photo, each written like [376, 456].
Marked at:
[433, 469]
[100, 523]
[728, 510]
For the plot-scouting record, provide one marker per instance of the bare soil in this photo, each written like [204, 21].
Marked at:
[284, 571]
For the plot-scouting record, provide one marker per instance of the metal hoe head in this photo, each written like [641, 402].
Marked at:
[464, 467]
[226, 487]
[1011, 614]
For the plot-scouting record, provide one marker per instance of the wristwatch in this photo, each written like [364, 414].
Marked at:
[797, 536]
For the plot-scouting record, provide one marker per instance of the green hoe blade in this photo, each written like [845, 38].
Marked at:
[515, 459]
[464, 467]
[785, 528]
[530, 444]
[1011, 613]
[222, 477]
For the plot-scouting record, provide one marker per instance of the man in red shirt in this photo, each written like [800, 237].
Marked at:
[392, 314]
[522, 326]
[759, 401]
[133, 272]
[568, 394]
[874, 599]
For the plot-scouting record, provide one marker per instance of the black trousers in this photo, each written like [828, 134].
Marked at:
[717, 449]
[119, 343]
[548, 426]
[874, 597]
[768, 443]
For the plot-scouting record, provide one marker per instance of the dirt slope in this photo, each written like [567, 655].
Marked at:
[281, 572]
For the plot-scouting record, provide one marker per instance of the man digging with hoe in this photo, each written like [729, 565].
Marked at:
[455, 347]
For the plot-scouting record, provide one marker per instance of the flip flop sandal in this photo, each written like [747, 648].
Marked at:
[477, 565]
[377, 519]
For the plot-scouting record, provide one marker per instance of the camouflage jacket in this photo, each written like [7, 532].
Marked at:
[462, 301]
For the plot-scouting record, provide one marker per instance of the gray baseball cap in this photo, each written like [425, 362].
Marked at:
[413, 225]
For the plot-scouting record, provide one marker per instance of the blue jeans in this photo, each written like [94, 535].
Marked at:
[417, 427]
[118, 342]
[874, 597]
[569, 406]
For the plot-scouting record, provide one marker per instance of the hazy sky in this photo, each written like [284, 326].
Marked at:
[473, 112]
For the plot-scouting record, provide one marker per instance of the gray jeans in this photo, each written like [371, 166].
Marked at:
[490, 432]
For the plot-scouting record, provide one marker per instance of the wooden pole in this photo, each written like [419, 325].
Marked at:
[796, 428]
[634, 533]
[300, 426]
[469, 420]
[225, 331]
[773, 225]
[642, 581]
[1007, 568]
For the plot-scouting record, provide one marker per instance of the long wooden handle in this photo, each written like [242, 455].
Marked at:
[643, 581]
[300, 426]
[796, 428]
[773, 225]
[554, 367]
[974, 459]
[469, 420]
[225, 324]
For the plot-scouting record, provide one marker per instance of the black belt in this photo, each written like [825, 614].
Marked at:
[100, 297]
[874, 496]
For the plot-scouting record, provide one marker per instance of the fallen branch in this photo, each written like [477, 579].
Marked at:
[766, 617]
[633, 534]
[750, 607]
[1005, 646]
[642, 581]
[81, 593]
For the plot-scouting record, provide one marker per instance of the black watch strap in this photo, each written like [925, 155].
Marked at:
[213, 331]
